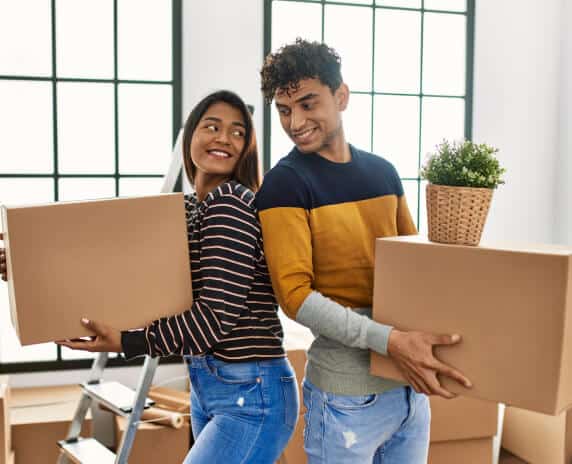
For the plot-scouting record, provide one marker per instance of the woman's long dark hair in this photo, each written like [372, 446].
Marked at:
[247, 170]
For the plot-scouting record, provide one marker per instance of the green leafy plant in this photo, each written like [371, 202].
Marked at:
[463, 164]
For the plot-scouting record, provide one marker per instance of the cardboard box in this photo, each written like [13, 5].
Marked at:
[462, 419]
[478, 451]
[538, 438]
[123, 261]
[5, 436]
[511, 305]
[508, 458]
[155, 443]
[40, 418]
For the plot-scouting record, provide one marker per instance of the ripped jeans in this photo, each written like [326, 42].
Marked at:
[241, 412]
[386, 428]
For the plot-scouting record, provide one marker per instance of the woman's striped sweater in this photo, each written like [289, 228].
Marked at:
[234, 312]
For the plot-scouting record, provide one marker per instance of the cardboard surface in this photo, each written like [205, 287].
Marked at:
[509, 458]
[538, 438]
[478, 451]
[511, 305]
[462, 419]
[122, 261]
[5, 434]
[294, 451]
[40, 418]
[155, 443]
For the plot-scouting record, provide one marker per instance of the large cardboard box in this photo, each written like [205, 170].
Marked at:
[509, 458]
[479, 451]
[511, 305]
[40, 418]
[538, 438]
[462, 419]
[155, 443]
[123, 261]
[5, 436]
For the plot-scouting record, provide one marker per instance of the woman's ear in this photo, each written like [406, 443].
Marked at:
[342, 96]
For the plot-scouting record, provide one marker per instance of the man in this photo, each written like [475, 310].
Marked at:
[321, 208]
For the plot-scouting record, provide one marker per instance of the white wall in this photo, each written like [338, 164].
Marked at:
[564, 213]
[223, 46]
[516, 94]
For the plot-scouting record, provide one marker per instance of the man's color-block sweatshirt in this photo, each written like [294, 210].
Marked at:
[319, 221]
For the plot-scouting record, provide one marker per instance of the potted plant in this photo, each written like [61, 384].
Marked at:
[462, 177]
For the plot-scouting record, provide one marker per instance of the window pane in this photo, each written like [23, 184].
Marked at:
[26, 191]
[397, 51]
[291, 20]
[26, 38]
[140, 186]
[444, 49]
[357, 121]
[411, 191]
[442, 118]
[145, 39]
[86, 130]
[396, 132]
[145, 128]
[22, 192]
[84, 38]
[423, 230]
[281, 144]
[449, 5]
[400, 3]
[26, 138]
[72, 189]
[348, 30]
[356, 2]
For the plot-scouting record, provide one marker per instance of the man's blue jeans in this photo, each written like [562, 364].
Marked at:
[387, 428]
[241, 412]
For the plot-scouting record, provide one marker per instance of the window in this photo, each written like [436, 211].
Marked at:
[91, 106]
[408, 64]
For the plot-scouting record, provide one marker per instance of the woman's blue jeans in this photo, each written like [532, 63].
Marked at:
[241, 412]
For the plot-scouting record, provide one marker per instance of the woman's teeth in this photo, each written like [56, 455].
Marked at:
[220, 154]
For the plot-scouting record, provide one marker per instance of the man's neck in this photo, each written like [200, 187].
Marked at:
[337, 151]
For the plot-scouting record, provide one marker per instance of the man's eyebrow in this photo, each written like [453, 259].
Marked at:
[308, 96]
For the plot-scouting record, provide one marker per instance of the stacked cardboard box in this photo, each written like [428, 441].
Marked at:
[5, 433]
[511, 304]
[95, 259]
[538, 438]
[509, 458]
[40, 418]
[155, 443]
[462, 430]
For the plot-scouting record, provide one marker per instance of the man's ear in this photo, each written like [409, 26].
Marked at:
[342, 96]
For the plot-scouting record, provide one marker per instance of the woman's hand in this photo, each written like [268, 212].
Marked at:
[3, 268]
[106, 339]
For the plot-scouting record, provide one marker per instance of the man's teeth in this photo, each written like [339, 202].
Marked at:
[304, 134]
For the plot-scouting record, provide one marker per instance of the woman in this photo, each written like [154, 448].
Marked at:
[244, 399]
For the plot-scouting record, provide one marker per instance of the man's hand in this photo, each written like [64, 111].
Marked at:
[412, 353]
[106, 339]
[3, 268]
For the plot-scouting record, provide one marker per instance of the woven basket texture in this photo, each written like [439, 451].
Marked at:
[457, 215]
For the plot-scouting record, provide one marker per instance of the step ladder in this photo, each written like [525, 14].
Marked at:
[114, 396]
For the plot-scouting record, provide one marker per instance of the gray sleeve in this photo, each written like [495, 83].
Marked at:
[330, 319]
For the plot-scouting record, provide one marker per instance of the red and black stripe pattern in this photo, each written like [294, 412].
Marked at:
[234, 312]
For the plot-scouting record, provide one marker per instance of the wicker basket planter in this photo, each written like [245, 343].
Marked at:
[457, 215]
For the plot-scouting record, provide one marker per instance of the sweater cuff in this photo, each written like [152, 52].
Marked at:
[377, 337]
[134, 343]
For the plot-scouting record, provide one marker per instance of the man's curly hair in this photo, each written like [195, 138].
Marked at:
[300, 60]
